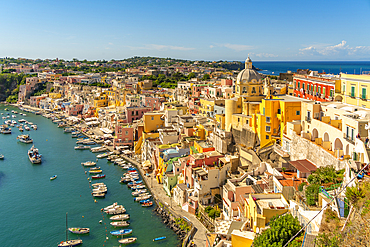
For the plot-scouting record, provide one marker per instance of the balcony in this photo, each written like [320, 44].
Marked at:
[349, 138]
[308, 119]
[363, 97]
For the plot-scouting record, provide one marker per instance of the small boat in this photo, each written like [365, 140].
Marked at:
[103, 155]
[98, 176]
[95, 171]
[144, 201]
[5, 129]
[53, 177]
[120, 223]
[62, 124]
[140, 198]
[89, 142]
[69, 243]
[95, 168]
[120, 217]
[98, 149]
[25, 139]
[34, 155]
[119, 209]
[147, 204]
[1, 156]
[34, 127]
[77, 230]
[26, 128]
[97, 185]
[88, 163]
[159, 238]
[81, 147]
[98, 194]
[68, 130]
[110, 206]
[127, 240]
[121, 232]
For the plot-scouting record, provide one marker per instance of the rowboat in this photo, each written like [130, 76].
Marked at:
[121, 232]
[95, 171]
[120, 217]
[77, 230]
[53, 177]
[127, 240]
[147, 204]
[159, 238]
[98, 176]
[120, 223]
[88, 163]
[98, 194]
[1, 156]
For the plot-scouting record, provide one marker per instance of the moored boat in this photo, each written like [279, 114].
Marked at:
[120, 217]
[53, 177]
[127, 240]
[159, 238]
[34, 155]
[69, 243]
[25, 139]
[98, 176]
[88, 163]
[147, 204]
[95, 171]
[78, 230]
[1, 156]
[81, 147]
[98, 149]
[103, 155]
[121, 232]
[120, 223]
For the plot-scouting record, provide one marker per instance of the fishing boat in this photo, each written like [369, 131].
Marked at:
[78, 230]
[81, 147]
[95, 168]
[97, 185]
[98, 194]
[34, 126]
[88, 163]
[103, 155]
[53, 177]
[127, 240]
[62, 124]
[69, 243]
[1, 156]
[110, 206]
[25, 139]
[5, 129]
[119, 209]
[68, 130]
[34, 155]
[27, 128]
[120, 217]
[95, 171]
[159, 238]
[98, 176]
[120, 223]
[121, 232]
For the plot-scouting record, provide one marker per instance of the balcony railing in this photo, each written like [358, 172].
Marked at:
[363, 97]
[308, 119]
[348, 138]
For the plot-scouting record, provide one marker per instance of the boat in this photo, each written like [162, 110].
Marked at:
[103, 155]
[69, 243]
[78, 230]
[5, 129]
[102, 189]
[98, 149]
[89, 142]
[144, 201]
[147, 204]
[120, 217]
[120, 223]
[98, 176]
[81, 147]
[159, 238]
[121, 232]
[68, 130]
[110, 206]
[88, 163]
[95, 168]
[127, 240]
[97, 184]
[25, 139]
[98, 194]
[138, 192]
[1, 156]
[62, 124]
[53, 177]
[20, 129]
[34, 126]
[140, 198]
[118, 209]
[95, 171]
[26, 128]
[34, 155]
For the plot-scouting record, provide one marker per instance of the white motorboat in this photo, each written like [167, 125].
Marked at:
[98, 149]
[25, 139]
[120, 217]
[82, 147]
[88, 163]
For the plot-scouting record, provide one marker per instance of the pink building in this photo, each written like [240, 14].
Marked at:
[135, 113]
[74, 110]
[226, 82]
[153, 102]
[196, 90]
[35, 100]
[125, 135]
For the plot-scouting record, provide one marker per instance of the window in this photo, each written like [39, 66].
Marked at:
[363, 96]
[344, 88]
[126, 132]
[298, 113]
[268, 128]
[324, 90]
[253, 90]
[267, 137]
[263, 111]
[152, 118]
[299, 86]
[331, 92]
[279, 111]
[318, 89]
[303, 86]
[352, 91]
[308, 87]
[238, 120]
[268, 120]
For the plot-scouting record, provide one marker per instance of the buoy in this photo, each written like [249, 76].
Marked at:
[83, 216]
[46, 139]
[94, 200]
[106, 237]
[100, 221]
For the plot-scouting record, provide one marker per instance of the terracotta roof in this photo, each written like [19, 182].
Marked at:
[304, 166]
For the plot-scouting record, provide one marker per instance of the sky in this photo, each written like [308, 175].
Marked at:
[267, 30]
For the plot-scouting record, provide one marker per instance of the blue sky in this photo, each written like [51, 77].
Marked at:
[195, 30]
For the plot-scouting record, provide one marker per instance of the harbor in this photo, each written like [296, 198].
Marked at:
[37, 205]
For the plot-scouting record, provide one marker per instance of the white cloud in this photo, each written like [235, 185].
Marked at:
[235, 47]
[264, 55]
[341, 49]
[161, 47]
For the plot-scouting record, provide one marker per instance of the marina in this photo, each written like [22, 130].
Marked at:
[43, 206]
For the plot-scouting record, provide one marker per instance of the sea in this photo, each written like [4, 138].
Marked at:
[33, 208]
[328, 67]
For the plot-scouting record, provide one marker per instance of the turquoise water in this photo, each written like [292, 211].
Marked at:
[333, 67]
[33, 208]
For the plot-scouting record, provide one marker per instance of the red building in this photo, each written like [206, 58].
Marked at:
[318, 88]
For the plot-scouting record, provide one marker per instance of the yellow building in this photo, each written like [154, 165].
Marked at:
[101, 101]
[153, 121]
[260, 208]
[242, 238]
[355, 90]
[111, 94]
[55, 95]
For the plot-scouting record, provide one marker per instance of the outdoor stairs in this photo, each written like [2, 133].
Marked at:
[309, 241]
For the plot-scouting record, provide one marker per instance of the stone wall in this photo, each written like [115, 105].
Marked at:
[245, 137]
[301, 148]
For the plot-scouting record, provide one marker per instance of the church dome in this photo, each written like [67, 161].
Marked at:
[248, 74]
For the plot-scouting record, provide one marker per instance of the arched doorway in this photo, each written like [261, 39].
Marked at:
[315, 134]
[326, 137]
[347, 150]
[338, 145]
[338, 98]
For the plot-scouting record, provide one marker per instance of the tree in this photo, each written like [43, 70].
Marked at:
[191, 75]
[282, 229]
[206, 77]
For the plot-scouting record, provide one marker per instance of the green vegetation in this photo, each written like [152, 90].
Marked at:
[323, 176]
[212, 213]
[182, 224]
[167, 81]
[281, 230]
[10, 83]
